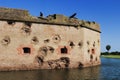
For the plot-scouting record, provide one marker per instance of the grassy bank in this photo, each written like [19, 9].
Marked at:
[111, 56]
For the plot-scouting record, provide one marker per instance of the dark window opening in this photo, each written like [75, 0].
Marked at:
[64, 50]
[26, 50]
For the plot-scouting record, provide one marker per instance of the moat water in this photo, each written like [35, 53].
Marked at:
[109, 70]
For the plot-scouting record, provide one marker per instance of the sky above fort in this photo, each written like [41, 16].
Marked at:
[104, 12]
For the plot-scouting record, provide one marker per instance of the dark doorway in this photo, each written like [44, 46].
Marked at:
[26, 50]
[64, 50]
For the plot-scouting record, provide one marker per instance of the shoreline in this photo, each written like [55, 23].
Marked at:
[111, 56]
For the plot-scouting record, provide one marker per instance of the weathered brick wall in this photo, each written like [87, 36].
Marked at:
[32, 46]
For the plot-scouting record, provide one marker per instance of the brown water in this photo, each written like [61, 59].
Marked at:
[109, 70]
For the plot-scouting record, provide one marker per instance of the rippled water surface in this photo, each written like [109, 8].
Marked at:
[109, 70]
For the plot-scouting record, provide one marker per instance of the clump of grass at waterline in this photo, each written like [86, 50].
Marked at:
[111, 54]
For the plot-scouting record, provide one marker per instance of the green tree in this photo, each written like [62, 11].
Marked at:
[108, 47]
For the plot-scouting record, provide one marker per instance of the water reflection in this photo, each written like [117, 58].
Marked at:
[64, 74]
[109, 70]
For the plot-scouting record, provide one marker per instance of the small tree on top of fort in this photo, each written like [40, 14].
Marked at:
[108, 47]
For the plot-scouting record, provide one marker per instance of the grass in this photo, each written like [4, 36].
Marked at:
[111, 56]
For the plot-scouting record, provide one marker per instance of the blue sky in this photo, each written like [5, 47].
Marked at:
[104, 12]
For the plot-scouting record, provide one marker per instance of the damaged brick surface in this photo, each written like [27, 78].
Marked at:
[52, 42]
